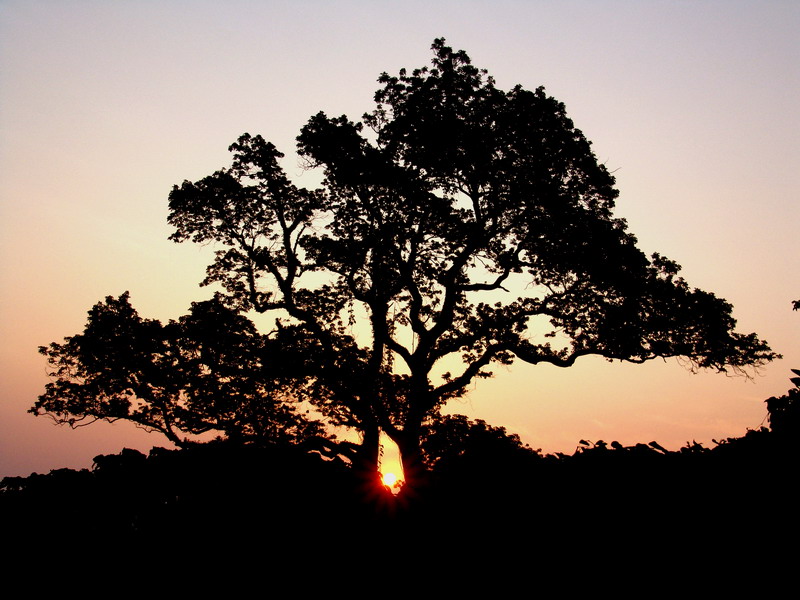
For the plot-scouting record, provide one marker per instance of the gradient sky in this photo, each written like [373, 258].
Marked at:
[105, 105]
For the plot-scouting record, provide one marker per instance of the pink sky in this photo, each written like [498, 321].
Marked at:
[104, 106]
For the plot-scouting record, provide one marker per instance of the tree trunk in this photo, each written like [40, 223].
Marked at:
[369, 455]
[411, 457]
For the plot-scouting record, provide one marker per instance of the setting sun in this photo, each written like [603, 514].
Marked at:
[391, 466]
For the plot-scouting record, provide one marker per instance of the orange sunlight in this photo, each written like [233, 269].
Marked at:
[391, 468]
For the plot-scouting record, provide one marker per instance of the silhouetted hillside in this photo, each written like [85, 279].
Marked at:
[242, 492]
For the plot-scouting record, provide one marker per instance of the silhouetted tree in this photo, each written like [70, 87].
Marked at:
[466, 227]
[448, 441]
[209, 371]
[461, 221]
[784, 411]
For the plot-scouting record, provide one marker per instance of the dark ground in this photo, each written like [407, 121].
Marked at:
[742, 487]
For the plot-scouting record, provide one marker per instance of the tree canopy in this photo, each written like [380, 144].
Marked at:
[458, 227]
[209, 371]
[433, 206]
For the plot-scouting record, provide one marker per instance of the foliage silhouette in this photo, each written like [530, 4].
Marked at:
[488, 480]
[784, 411]
[469, 227]
[497, 494]
[222, 490]
[451, 442]
[210, 371]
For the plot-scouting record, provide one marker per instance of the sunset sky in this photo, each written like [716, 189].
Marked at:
[104, 106]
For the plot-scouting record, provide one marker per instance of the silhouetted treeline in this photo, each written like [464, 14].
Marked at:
[480, 479]
[216, 489]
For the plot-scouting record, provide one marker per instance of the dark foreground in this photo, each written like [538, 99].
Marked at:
[602, 495]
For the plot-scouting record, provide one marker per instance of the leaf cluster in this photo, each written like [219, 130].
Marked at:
[209, 371]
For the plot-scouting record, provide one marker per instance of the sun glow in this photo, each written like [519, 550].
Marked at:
[391, 466]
